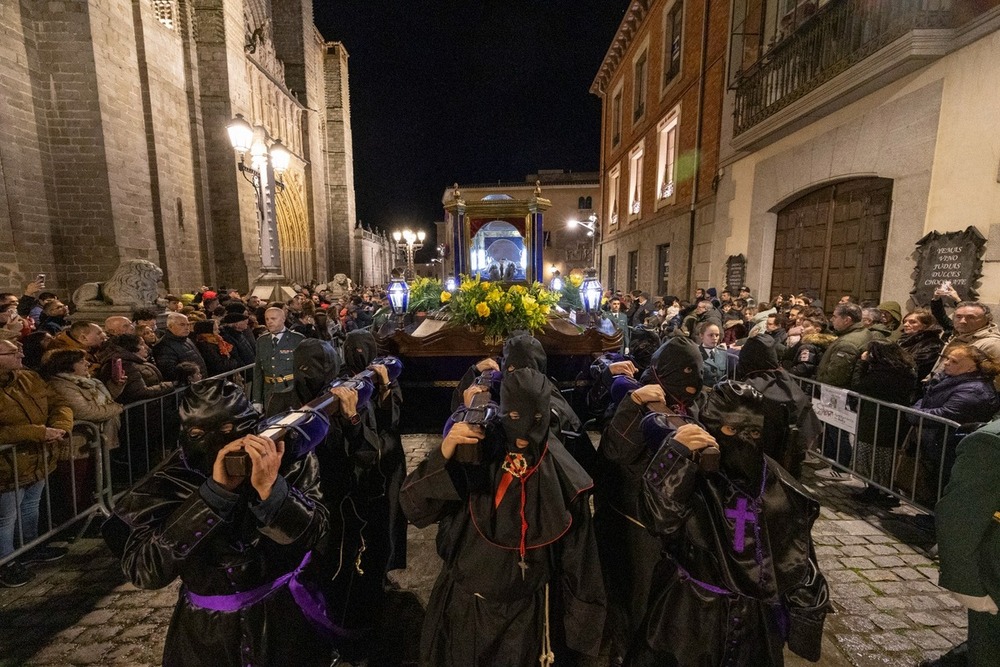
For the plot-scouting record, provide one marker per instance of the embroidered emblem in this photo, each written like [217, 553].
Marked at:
[515, 464]
[742, 515]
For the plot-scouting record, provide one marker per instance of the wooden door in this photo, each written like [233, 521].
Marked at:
[832, 241]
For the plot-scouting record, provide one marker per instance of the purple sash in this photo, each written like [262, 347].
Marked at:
[312, 603]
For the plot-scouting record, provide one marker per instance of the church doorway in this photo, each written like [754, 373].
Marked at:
[832, 241]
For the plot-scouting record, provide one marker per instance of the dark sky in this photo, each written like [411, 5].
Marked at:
[473, 91]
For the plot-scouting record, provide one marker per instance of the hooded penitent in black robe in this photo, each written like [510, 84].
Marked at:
[485, 609]
[352, 558]
[628, 551]
[790, 426]
[181, 524]
[360, 349]
[738, 578]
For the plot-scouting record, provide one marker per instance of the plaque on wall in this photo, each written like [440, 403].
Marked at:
[736, 273]
[950, 257]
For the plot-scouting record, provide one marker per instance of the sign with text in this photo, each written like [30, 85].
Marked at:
[736, 273]
[954, 258]
[831, 408]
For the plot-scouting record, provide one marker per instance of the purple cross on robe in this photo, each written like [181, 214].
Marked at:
[742, 515]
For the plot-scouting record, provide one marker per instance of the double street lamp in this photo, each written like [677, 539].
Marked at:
[268, 161]
[409, 242]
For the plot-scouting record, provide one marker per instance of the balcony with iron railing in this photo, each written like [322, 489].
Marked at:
[786, 84]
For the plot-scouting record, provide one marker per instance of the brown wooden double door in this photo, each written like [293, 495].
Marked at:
[832, 241]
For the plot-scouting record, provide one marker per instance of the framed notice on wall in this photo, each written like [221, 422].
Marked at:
[949, 257]
[736, 273]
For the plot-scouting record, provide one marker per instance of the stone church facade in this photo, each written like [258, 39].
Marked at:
[113, 141]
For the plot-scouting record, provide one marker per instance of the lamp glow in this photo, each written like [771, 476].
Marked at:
[591, 291]
[280, 157]
[450, 284]
[240, 133]
[399, 294]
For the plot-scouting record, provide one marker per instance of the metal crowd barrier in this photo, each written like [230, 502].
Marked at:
[910, 453]
[147, 435]
[60, 510]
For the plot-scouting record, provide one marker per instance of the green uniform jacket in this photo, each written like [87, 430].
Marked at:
[837, 365]
[620, 320]
[968, 532]
[271, 362]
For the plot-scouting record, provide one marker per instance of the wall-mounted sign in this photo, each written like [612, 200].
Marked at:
[736, 273]
[950, 257]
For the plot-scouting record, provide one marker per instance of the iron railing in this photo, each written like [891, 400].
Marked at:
[839, 35]
[147, 435]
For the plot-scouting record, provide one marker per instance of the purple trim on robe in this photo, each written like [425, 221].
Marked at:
[686, 576]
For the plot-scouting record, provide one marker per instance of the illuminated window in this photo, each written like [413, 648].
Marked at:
[614, 186]
[666, 157]
[635, 182]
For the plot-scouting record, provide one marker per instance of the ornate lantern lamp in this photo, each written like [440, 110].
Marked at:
[450, 284]
[399, 294]
[591, 291]
[556, 284]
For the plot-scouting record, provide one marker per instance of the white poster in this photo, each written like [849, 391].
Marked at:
[831, 408]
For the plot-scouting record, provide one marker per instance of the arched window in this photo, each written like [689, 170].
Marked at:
[581, 203]
[590, 203]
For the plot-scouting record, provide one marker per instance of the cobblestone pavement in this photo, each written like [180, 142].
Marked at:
[889, 610]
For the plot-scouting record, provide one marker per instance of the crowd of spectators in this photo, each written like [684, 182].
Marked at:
[943, 361]
[58, 368]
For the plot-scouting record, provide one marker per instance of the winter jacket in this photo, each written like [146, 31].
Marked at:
[218, 357]
[965, 398]
[172, 350]
[90, 401]
[244, 349]
[27, 406]
[925, 348]
[803, 359]
[837, 365]
[986, 339]
[143, 379]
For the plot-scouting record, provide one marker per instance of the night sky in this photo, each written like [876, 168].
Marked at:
[474, 92]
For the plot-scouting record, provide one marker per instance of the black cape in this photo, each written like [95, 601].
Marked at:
[482, 610]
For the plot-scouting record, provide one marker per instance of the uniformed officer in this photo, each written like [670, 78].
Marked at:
[968, 532]
[273, 378]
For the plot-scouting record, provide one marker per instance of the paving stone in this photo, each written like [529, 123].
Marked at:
[954, 635]
[882, 539]
[90, 654]
[852, 539]
[844, 576]
[824, 550]
[887, 603]
[890, 641]
[887, 561]
[858, 563]
[879, 575]
[99, 617]
[925, 618]
[908, 574]
[883, 549]
[927, 639]
[948, 601]
[888, 621]
[826, 540]
[856, 551]
[841, 591]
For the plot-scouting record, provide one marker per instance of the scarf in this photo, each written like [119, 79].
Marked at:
[224, 347]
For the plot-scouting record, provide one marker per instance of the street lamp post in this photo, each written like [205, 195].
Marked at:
[268, 161]
[593, 231]
[409, 242]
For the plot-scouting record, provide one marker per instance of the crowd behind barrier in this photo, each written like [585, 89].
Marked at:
[69, 497]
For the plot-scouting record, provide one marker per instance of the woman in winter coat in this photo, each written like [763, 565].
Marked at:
[886, 373]
[213, 348]
[68, 374]
[962, 392]
[803, 359]
[143, 379]
[922, 339]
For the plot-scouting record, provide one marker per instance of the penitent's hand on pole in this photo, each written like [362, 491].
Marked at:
[460, 434]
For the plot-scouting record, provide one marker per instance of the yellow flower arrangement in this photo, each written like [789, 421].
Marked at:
[426, 294]
[445, 297]
[500, 311]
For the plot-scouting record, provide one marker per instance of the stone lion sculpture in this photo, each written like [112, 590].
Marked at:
[134, 283]
[340, 285]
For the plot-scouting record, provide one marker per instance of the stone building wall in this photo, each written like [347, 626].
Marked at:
[339, 154]
[113, 143]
